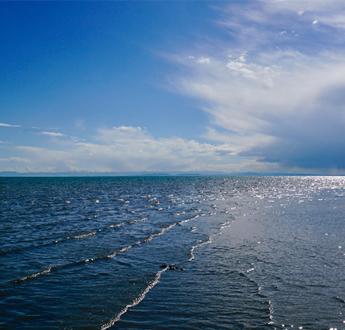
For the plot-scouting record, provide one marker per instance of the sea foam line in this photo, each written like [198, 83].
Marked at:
[85, 235]
[34, 275]
[136, 301]
[113, 254]
[194, 247]
[270, 311]
[80, 236]
[190, 219]
[260, 294]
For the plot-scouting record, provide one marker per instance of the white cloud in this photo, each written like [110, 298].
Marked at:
[8, 125]
[203, 60]
[126, 149]
[256, 23]
[274, 94]
[238, 143]
[51, 133]
[302, 6]
[330, 13]
[277, 99]
[334, 20]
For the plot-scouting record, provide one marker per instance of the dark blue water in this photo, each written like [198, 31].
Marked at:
[172, 253]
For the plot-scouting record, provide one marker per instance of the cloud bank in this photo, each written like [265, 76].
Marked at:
[273, 86]
[276, 90]
[126, 149]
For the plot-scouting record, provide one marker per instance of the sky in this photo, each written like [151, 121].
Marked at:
[173, 86]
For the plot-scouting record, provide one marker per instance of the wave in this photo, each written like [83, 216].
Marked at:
[339, 299]
[121, 250]
[194, 247]
[34, 275]
[84, 235]
[49, 243]
[224, 225]
[259, 293]
[160, 233]
[117, 225]
[81, 236]
[270, 312]
[136, 301]
[111, 255]
[191, 218]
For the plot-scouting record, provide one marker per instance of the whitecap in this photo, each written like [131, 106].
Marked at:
[81, 236]
[34, 275]
[136, 300]
[194, 247]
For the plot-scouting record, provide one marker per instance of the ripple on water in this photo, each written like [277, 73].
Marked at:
[289, 232]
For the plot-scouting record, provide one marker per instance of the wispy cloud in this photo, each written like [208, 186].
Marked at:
[273, 87]
[51, 133]
[275, 97]
[8, 125]
[125, 149]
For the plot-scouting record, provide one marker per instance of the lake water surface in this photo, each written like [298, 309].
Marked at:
[172, 253]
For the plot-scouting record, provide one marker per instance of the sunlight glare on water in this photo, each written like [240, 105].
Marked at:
[173, 253]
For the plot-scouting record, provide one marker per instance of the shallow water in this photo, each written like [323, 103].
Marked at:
[250, 253]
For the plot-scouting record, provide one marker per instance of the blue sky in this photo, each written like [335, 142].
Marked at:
[173, 86]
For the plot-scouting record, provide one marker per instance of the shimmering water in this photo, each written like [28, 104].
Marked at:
[172, 253]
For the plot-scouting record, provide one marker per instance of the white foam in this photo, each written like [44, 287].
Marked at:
[117, 225]
[224, 225]
[160, 233]
[81, 236]
[88, 260]
[145, 240]
[194, 247]
[136, 301]
[122, 250]
[270, 308]
[34, 275]
[190, 219]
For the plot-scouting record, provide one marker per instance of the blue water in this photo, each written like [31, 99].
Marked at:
[172, 253]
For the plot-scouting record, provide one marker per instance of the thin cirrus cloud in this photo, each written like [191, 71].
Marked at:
[277, 97]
